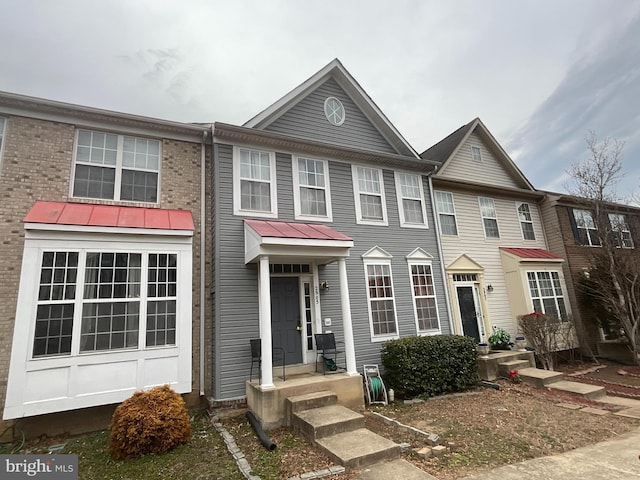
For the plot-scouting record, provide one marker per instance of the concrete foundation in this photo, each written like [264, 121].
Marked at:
[489, 368]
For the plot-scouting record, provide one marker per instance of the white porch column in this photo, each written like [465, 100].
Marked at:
[349, 347]
[264, 295]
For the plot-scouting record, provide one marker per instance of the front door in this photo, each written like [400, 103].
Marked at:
[286, 328]
[468, 311]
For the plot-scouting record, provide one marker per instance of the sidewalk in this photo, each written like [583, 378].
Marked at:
[616, 459]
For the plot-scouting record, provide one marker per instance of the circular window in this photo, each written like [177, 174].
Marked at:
[334, 111]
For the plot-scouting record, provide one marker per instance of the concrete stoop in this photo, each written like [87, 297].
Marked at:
[540, 378]
[338, 431]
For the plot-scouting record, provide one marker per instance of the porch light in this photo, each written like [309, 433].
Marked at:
[489, 288]
[324, 285]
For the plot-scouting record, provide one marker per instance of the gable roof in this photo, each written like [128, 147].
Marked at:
[336, 70]
[446, 149]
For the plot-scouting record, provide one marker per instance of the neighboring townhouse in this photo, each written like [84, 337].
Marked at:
[103, 289]
[572, 232]
[322, 222]
[493, 242]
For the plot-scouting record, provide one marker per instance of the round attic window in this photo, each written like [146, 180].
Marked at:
[334, 111]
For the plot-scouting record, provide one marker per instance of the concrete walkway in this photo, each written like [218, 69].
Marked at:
[615, 459]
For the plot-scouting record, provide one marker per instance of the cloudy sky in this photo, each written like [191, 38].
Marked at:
[539, 74]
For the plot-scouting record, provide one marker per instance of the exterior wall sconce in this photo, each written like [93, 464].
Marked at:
[324, 285]
[489, 288]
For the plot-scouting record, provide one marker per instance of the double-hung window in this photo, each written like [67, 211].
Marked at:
[116, 167]
[586, 228]
[109, 293]
[476, 154]
[526, 223]
[311, 191]
[368, 188]
[411, 202]
[446, 213]
[380, 294]
[254, 191]
[620, 231]
[546, 293]
[424, 296]
[489, 217]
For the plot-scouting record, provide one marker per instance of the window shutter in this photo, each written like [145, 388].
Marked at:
[576, 233]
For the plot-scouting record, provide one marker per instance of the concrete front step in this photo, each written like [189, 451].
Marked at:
[308, 401]
[538, 377]
[397, 469]
[325, 421]
[592, 392]
[358, 448]
[505, 367]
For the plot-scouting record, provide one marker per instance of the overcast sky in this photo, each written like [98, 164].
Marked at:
[539, 74]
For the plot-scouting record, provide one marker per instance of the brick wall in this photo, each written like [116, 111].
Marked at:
[36, 164]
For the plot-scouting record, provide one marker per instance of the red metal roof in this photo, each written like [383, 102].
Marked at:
[531, 253]
[85, 214]
[295, 230]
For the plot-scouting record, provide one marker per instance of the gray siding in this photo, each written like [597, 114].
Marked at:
[307, 120]
[236, 296]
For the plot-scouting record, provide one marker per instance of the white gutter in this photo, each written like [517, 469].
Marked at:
[445, 280]
[203, 252]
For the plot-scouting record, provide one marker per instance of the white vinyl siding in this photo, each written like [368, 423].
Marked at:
[446, 213]
[311, 192]
[116, 167]
[526, 223]
[368, 189]
[411, 204]
[254, 183]
[489, 217]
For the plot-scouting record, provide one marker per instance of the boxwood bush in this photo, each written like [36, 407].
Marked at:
[429, 366]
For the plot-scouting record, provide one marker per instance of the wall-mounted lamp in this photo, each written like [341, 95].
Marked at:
[489, 288]
[324, 285]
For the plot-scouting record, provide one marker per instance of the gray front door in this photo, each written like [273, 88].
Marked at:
[467, 304]
[285, 318]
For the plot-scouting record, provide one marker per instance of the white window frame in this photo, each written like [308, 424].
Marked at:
[3, 132]
[590, 227]
[376, 256]
[525, 220]
[555, 296]
[357, 193]
[118, 167]
[295, 168]
[47, 384]
[620, 226]
[455, 219]
[237, 193]
[476, 153]
[494, 217]
[403, 222]
[421, 258]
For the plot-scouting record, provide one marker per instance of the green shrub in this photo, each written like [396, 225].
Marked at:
[154, 421]
[429, 366]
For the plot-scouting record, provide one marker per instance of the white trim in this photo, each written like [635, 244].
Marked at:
[622, 226]
[3, 137]
[455, 216]
[495, 217]
[477, 305]
[530, 221]
[296, 190]
[411, 261]
[356, 195]
[273, 188]
[57, 227]
[400, 197]
[372, 260]
[474, 149]
[344, 112]
[79, 380]
[118, 167]
[563, 289]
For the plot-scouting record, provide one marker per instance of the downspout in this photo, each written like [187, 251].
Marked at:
[445, 279]
[203, 252]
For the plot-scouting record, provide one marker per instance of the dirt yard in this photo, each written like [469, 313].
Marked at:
[485, 429]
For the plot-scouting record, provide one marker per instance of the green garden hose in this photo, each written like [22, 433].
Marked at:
[376, 387]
